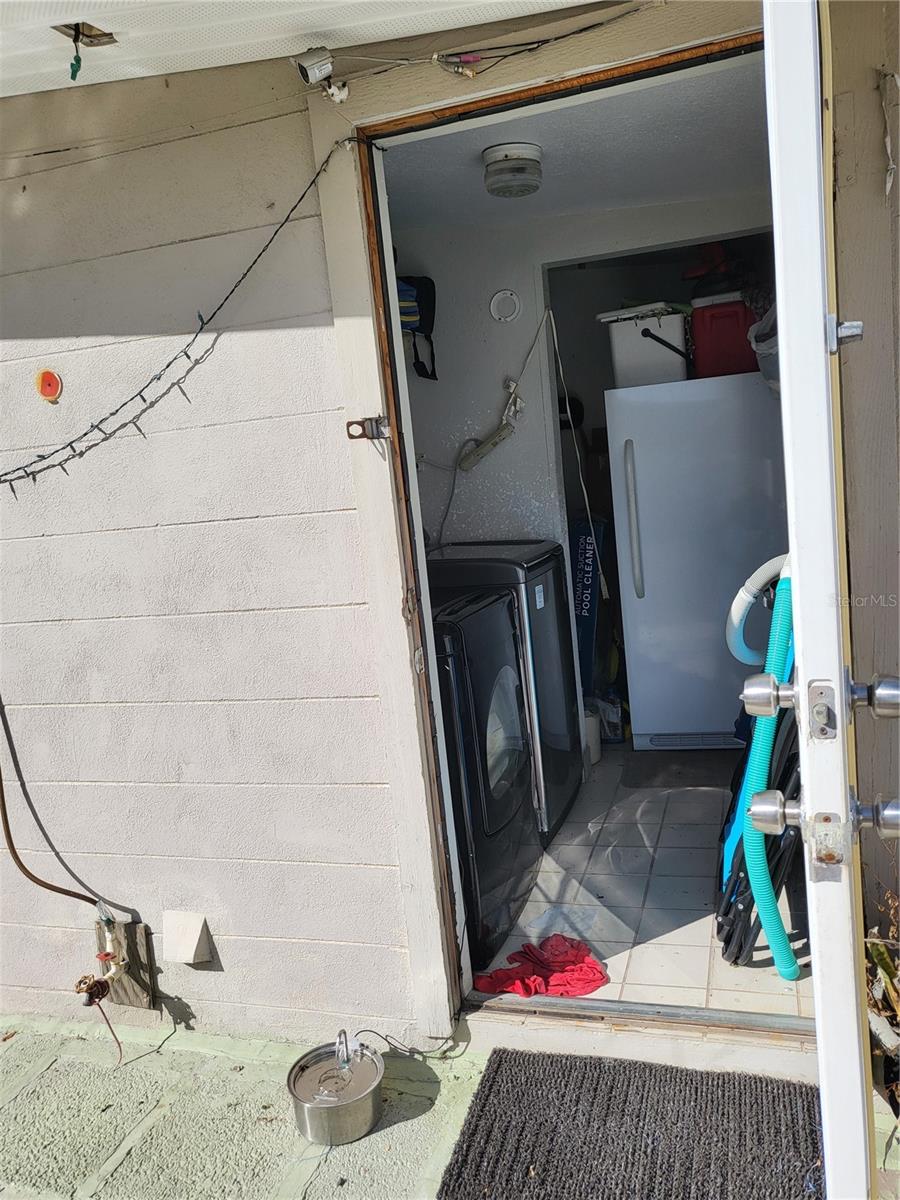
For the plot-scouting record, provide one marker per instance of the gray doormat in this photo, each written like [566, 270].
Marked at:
[679, 768]
[548, 1126]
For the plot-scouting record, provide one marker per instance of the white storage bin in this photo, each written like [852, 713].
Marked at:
[639, 360]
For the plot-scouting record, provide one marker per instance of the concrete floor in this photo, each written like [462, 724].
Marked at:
[193, 1116]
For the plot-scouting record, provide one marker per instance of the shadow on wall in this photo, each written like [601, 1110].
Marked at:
[132, 913]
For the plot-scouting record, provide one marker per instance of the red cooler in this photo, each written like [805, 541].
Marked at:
[719, 327]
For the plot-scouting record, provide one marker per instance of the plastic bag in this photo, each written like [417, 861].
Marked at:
[763, 337]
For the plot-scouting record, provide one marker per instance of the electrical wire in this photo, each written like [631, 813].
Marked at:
[429, 462]
[394, 62]
[8, 836]
[97, 434]
[446, 59]
[449, 504]
[527, 47]
[115, 1038]
[411, 1051]
[513, 395]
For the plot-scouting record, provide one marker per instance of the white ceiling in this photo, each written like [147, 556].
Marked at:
[161, 37]
[696, 133]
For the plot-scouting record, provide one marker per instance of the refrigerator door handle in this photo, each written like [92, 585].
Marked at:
[634, 532]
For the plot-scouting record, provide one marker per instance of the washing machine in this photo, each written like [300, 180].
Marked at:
[480, 667]
[535, 572]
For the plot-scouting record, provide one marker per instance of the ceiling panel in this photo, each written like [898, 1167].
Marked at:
[680, 137]
[179, 35]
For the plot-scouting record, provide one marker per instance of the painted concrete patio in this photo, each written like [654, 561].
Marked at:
[197, 1117]
[194, 1116]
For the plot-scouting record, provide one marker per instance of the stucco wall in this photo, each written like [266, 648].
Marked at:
[185, 618]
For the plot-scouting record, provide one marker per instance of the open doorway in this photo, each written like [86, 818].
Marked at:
[594, 488]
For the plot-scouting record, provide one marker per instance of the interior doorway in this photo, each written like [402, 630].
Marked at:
[653, 204]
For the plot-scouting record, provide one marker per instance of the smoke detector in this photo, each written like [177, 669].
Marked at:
[512, 169]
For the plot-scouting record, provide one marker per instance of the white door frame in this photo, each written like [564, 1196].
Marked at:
[815, 530]
[417, 524]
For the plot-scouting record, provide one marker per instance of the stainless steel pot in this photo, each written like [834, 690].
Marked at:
[336, 1092]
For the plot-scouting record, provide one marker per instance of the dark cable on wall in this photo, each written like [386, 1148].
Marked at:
[8, 837]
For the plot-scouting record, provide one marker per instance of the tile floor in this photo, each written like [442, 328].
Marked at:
[631, 872]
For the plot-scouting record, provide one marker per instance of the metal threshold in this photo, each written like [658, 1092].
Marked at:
[573, 1008]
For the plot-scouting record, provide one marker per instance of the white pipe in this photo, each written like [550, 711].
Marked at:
[115, 965]
[742, 603]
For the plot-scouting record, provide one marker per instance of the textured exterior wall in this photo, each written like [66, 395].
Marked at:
[185, 618]
[866, 41]
[212, 734]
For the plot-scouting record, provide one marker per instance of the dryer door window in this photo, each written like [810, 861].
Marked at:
[505, 748]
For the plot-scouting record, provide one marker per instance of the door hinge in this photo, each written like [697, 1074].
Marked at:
[372, 429]
[839, 332]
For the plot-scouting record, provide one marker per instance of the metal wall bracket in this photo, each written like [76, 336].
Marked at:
[839, 332]
[372, 429]
[822, 711]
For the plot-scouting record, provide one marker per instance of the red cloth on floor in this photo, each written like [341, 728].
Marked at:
[560, 966]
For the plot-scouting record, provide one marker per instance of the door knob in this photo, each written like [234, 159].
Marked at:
[883, 816]
[771, 813]
[763, 695]
[881, 696]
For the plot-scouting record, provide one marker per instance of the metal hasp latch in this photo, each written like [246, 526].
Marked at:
[770, 813]
[840, 332]
[372, 429]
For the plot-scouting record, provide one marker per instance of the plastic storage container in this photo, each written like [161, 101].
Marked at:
[719, 326]
[638, 359]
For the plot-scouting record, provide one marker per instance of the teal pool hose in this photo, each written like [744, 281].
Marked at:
[757, 780]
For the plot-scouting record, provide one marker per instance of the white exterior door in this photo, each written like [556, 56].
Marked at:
[815, 529]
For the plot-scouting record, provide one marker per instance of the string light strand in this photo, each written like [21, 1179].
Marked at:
[133, 408]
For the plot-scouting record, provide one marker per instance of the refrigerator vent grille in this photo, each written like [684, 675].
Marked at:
[694, 741]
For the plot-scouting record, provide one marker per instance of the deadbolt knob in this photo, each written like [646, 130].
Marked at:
[883, 816]
[770, 813]
[885, 692]
[763, 695]
[881, 696]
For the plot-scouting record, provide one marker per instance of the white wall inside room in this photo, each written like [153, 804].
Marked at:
[678, 159]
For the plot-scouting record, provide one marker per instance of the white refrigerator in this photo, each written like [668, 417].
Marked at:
[698, 499]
